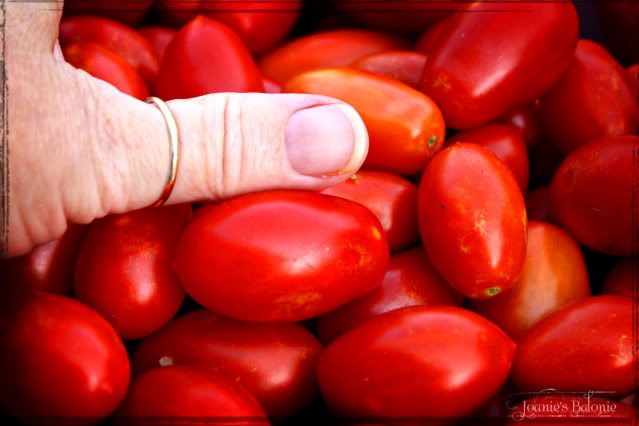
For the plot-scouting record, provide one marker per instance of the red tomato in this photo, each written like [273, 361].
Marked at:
[190, 68]
[619, 279]
[405, 127]
[192, 395]
[59, 359]
[634, 73]
[308, 254]
[159, 38]
[526, 118]
[591, 194]
[336, 48]
[271, 86]
[260, 24]
[106, 65]
[585, 345]
[472, 219]
[498, 55]
[275, 363]
[124, 269]
[428, 40]
[48, 267]
[572, 410]
[408, 16]
[402, 65]
[119, 38]
[554, 275]
[127, 11]
[410, 281]
[538, 204]
[391, 198]
[619, 20]
[433, 362]
[594, 98]
[506, 142]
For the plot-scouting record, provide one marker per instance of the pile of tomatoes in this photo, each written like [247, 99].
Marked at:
[478, 269]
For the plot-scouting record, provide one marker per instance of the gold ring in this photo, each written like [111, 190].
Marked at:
[174, 140]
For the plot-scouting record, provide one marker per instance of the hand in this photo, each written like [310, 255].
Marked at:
[80, 150]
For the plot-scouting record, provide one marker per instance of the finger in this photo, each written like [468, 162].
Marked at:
[35, 24]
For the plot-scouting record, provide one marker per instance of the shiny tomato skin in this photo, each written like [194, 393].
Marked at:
[527, 119]
[591, 194]
[106, 65]
[391, 198]
[405, 127]
[619, 279]
[409, 281]
[538, 204]
[308, 254]
[124, 269]
[554, 275]
[159, 38]
[125, 11]
[503, 140]
[406, 16]
[555, 409]
[260, 24]
[471, 212]
[337, 48]
[275, 363]
[48, 267]
[190, 394]
[387, 366]
[59, 359]
[495, 56]
[124, 41]
[271, 86]
[594, 98]
[584, 345]
[402, 65]
[190, 68]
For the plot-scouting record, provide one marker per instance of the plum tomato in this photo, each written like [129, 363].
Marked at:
[538, 204]
[106, 65]
[271, 86]
[503, 140]
[281, 256]
[260, 24]
[405, 127]
[405, 66]
[472, 220]
[409, 281]
[124, 269]
[48, 267]
[494, 56]
[554, 275]
[59, 359]
[124, 41]
[191, 395]
[591, 194]
[594, 98]
[204, 57]
[426, 362]
[619, 279]
[391, 198]
[429, 38]
[587, 344]
[337, 48]
[634, 73]
[275, 363]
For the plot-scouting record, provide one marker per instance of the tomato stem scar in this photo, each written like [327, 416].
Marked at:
[493, 291]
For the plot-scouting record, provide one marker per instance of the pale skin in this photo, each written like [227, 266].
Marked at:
[80, 149]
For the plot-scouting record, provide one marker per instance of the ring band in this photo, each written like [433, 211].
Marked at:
[174, 142]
